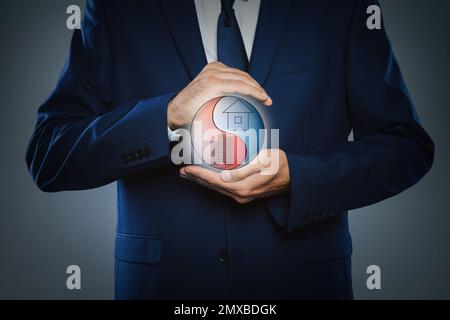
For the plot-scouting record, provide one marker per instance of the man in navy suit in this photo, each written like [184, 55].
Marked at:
[138, 70]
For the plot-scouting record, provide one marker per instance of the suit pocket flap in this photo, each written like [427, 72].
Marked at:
[327, 247]
[138, 249]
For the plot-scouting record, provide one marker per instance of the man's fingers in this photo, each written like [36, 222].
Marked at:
[202, 183]
[234, 77]
[258, 165]
[224, 68]
[240, 73]
[236, 86]
[215, 64]
[212, 181]
[207, 176]
[217, 189]
[240, 174]
[224, 77]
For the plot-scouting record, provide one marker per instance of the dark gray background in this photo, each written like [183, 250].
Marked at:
[41, 234]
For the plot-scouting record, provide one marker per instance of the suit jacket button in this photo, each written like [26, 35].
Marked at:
[132, 156]
[223, 256]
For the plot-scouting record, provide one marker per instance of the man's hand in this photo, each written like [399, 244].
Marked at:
[214, 81]
[267, 175]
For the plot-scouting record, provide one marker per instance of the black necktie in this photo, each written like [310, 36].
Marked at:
[230, 46]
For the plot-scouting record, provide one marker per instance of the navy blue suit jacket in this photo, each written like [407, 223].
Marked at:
[327, 73]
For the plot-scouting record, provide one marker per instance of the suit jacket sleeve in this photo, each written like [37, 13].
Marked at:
[390, 152]
[80, 141]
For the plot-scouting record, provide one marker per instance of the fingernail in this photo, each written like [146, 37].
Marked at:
[226, 176]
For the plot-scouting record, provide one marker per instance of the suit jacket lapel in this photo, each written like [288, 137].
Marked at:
[272, 21]
[182, 21]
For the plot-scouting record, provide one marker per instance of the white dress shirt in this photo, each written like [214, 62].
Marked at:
[208, 12]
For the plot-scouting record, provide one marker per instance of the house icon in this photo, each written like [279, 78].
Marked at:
[238, 115]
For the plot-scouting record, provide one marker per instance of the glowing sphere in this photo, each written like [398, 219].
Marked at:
[228, 132]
